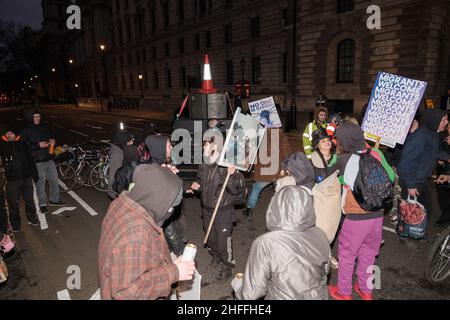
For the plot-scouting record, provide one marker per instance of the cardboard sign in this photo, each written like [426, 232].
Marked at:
[265, 112]
[392, 108]
[243, 141]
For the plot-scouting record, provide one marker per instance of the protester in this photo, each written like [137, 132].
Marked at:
[282, 151]
[20, 171]
[300, 167]
[320, 118]
[124, 175]
[323, 157]
[291, 261]
[209, 181]
[335, 120]
[40, 141]
[443, 189]
[134, 260]
[361, 234]
[122, 139]
[419, 156]
[160, 148]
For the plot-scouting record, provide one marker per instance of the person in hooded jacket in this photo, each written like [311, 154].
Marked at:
[291, 261]
[361, 233]
[124, 175]
[122, 139]
[209, 181]
[323, 157]
[300, 167]
[419, 156]
[134, 260]
[40, 140]
[20, 171]
[443, 189]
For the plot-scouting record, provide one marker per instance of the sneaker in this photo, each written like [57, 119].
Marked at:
[43, 210]
[215, 261]
[225, 273]
[57, 204]
[34, 222]
[334, 293]
[334, 263]
[248, 212]
[16, 229]
[364, 296]
[6, 244]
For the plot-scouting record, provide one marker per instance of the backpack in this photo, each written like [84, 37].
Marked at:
[373, 189]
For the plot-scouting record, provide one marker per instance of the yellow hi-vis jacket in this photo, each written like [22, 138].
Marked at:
[308, 137]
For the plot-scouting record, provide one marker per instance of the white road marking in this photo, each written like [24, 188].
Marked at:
[41, 216]
[53, 117]
[87, 207]
[93, 127]
[389, 229]
[61, 210]
[96, 295]
[135, 128]
[80, 133]
[103, 122]
[19, 119]
[58, 126]
[63, 295]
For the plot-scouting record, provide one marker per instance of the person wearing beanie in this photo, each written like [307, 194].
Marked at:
[323, 157]
[124, 175]
[419, 156]
[361, 233]
[320, 121]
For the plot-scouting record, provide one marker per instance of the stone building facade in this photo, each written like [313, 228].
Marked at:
[339, 56]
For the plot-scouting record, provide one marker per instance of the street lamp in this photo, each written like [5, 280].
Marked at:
[78, 91]
[71, 61]
[35, 76]
[53, 69]
[142, 87]
[102, 49]
[54, 81]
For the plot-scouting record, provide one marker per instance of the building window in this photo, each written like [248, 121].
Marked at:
[254, 24]
[144, 55]
[208, 39]
[181, 45]
[117, 7]
[256, 70]
[346, 61]
[152, 20]
[202, 8]
[146, 80]
[197, 41]
[284, 69]
[121, 61]
[180, 7]
[228, 34]
[124, 86]
[130, 59]
[169, 78]
[228, 4]
[117, 83]
[230, 72]
[154, 52]
[128, 30]
[167, 49]
[138, 57]
[155, 80]
[183, 77]
[131, 82]
[285, 17]
[166, 15]
[345, 5]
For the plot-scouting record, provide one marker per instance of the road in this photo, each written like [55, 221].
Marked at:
[38, 269]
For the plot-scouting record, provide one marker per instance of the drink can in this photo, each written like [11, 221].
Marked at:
[189, 252]
[239, 276]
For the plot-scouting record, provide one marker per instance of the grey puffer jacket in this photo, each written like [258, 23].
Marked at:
[291, 262]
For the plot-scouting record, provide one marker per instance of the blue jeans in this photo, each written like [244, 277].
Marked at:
[258, 186]
[47, 172]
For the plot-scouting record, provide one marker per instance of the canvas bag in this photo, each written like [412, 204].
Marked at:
[327, 205]
[3, 271]
[412, 219]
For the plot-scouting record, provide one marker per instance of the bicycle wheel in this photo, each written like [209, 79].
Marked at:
[66, 173]
[437, 264]
[99, 177]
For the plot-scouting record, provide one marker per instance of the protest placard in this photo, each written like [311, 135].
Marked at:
[392, 108]
[265, 112]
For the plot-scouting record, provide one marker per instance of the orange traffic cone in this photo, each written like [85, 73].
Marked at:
[207, 84]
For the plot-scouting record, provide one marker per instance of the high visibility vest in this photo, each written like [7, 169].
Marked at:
[308, 137]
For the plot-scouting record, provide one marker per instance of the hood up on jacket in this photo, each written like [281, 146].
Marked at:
[157, 146]
[130, 154]
[351, 137]
[156, 189]
[121, 138]
[301, 169]
[291, 209]
[431, 119]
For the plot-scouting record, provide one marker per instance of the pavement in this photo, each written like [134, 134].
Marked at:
[46, 259]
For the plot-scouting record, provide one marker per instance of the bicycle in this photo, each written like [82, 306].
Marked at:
[99, 176]
[437, 263]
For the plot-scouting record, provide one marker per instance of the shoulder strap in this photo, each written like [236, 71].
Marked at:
[325, 164]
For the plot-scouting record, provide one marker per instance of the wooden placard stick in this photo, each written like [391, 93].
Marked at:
[216, 208]
[377, 144]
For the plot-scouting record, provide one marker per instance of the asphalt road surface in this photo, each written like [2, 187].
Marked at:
[45, 259]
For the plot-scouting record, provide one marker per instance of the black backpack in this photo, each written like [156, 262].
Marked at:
[373, 189]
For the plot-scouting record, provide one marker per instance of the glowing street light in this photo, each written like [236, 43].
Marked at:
[76, 85]
[71, 61]
[102, 47]
[35, 76]
[53, 69]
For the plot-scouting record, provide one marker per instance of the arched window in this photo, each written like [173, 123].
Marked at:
[346, 61]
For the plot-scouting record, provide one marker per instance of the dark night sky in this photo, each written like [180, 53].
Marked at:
[27, 12]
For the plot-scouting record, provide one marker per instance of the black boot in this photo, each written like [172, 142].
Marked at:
[248, 212]
[225, 272]
[215, 261]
